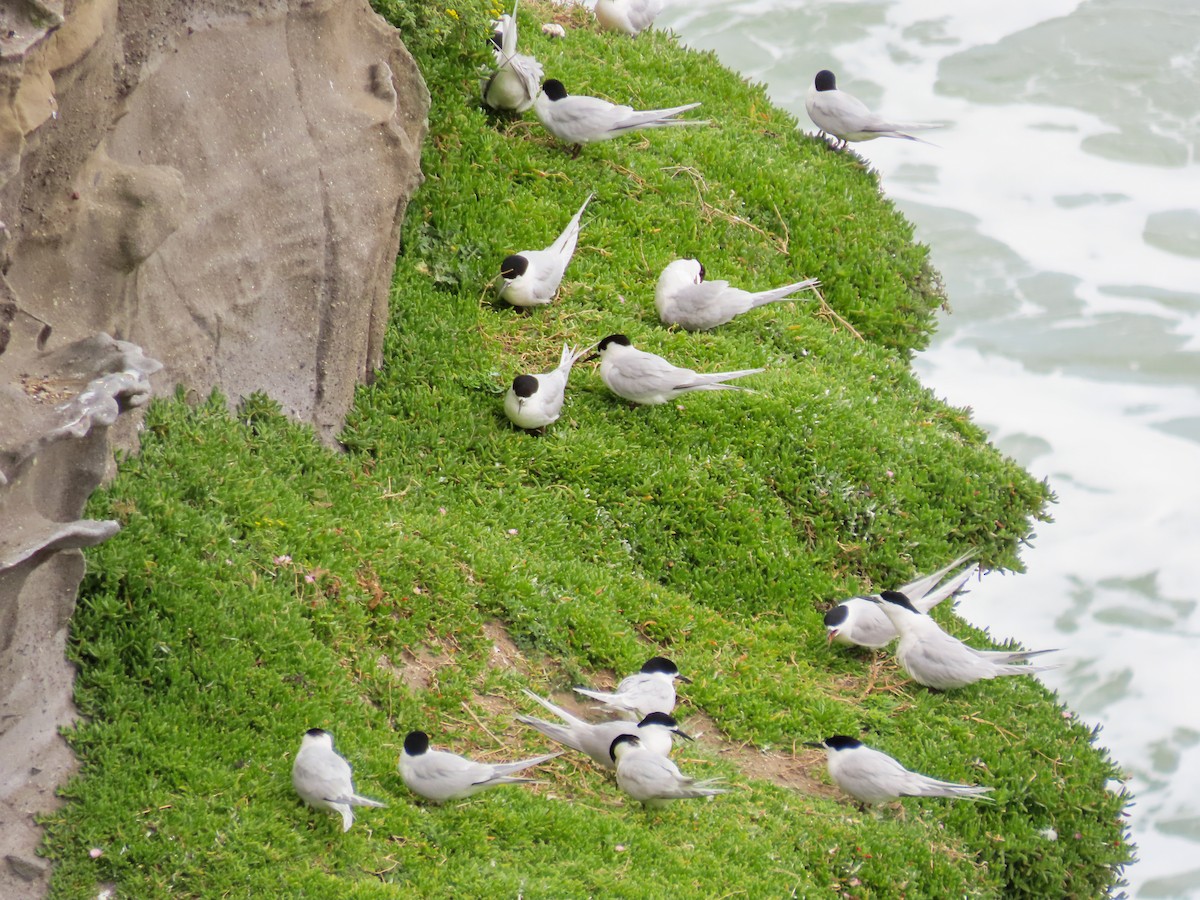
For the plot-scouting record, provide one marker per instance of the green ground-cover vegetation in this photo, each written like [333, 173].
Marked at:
[263, 585]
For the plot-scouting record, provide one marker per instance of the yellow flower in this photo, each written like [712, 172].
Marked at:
[452, 14]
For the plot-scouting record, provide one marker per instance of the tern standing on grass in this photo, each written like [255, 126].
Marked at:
[650, 689]
[943, 662]
[646, 379]
[577, 119]
[517, 79]
[535, 401]
[859, 622]
[655, 732]
[532, 277]
[682, 297]
[653, 779]
[629, 17]
[871, 776]
[322, 777]
[439, 776]
[847, 118]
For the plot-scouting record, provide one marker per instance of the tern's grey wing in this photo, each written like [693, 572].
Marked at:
[1009, 656]
[924, 786]
[546, 268]
[324, 777]
[579, 119]
[505, 769]
[698, 307]
[868, 775]
[919, 590]
[840, 113]
[646, 373]
[940, 661]
[653, 118]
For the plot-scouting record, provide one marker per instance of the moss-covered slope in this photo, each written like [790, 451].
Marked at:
[262, 585]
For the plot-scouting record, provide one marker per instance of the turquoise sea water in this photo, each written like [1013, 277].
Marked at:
[1062, 205]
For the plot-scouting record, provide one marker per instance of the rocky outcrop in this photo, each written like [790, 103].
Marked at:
[220, 182]
[57, 408]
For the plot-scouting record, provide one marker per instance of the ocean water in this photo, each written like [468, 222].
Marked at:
[1062, 205]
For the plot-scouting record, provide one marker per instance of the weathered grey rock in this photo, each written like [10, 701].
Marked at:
[55, 411]
[220, 182]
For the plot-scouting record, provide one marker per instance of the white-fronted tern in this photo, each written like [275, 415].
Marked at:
[644, 378]
[627, 16]
[518, 78]
[439, 776]
[651, 689]
[682, 297]
[579, 119]
[595, 739]
[532, 277]
[652, 778]
[847, 118]
[871, 776]
[322, 777]
[536, 401]
[943, 662]
[859, 622]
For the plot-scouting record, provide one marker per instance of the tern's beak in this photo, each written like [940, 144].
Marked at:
[816, 744]
[683, 734]
[684, 679]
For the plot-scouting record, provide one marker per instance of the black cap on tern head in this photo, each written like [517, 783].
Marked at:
[841, 742]
[514, 266]
[666, 721]
[899, 599]
[659, 718]
[621, 739]
[497, 39]
[612, 339]
[525, 385]
[659, 664]
[416, 743]
[553, 88]
[825, 81]
[315, 732]
[837, 616]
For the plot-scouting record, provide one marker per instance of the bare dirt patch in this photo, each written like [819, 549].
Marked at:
[801, 770]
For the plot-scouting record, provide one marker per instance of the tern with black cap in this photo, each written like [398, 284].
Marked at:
[576, 119]
[847, 118]
[859, 622]
[439, 775]
[650, 689]
[683, 297]
[943, 662]
[323, 778]
[518, 77]
[871, 776]
[595, 739]
[647, 379]
[652, 778]
[535, 401]
[532, 277]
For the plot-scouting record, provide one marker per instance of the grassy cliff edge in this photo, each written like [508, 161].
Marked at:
[262, 585]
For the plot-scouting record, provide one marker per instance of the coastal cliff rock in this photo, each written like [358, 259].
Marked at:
[219, 182]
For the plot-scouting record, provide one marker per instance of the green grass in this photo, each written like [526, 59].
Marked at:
[263, 585]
